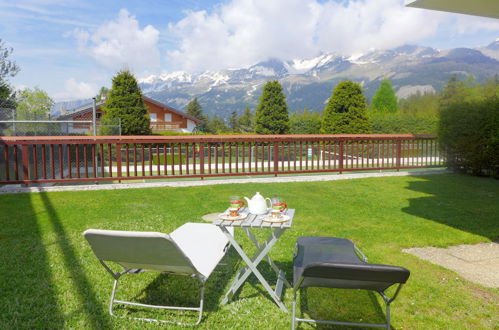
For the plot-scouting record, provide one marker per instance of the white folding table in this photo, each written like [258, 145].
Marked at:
[253, 222]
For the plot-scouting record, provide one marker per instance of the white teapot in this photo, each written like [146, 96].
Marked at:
[258, 204]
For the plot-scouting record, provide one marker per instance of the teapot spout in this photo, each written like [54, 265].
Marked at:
[247, 200]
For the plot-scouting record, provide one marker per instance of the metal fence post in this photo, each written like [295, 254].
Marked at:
[14, 113]
[94, 117]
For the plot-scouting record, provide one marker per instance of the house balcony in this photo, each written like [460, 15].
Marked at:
[162, 127]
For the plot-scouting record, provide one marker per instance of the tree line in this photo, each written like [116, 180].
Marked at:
[348, 112]
[344, 113]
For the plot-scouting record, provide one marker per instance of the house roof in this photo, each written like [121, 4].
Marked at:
[88, 108]
[166, 107]
[80, 111]
[486, 8]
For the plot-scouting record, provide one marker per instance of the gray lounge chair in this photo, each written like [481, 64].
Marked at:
[194, 250]
[335, 263]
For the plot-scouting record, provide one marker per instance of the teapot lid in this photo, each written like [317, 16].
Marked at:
[257, 196]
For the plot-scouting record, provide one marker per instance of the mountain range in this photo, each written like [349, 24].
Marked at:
[309, 82]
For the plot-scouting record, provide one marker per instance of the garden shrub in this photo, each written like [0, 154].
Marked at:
[403, 124]
[469, 136]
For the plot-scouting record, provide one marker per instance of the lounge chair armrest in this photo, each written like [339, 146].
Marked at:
[357, 272]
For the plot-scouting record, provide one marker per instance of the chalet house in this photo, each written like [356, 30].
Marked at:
[163, 117]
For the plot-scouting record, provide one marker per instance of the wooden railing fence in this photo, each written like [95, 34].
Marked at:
[108, 158]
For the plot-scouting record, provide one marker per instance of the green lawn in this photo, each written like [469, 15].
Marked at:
[49, 277]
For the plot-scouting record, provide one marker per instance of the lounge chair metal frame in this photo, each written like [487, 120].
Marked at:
[298, 284]
[200, 276]
[117, 276]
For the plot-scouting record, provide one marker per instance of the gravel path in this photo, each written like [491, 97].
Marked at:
[11, 189]
[478, 263]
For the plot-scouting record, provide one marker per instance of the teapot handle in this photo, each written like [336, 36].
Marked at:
[270, 203]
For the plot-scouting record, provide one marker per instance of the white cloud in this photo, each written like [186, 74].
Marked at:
[470, 24]
[121, 42]
[81, 36]
[243, 32]
[75, 90]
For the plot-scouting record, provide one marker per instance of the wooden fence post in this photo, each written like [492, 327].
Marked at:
[118, 160]
[399, 154]
[25, 162]
[201, 159]
[340, 165]
[276, 158]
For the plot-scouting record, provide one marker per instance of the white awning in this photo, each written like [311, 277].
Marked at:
[487, 8]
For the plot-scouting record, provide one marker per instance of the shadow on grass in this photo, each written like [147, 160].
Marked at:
[464, 202]
[28, 299]
[85, 293]
[176, 290]
[270, 276]
[342, 305]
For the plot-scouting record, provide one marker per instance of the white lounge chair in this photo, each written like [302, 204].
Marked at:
[194, 250]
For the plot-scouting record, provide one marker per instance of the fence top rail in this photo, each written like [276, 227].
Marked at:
[45, 121]
[206, 138]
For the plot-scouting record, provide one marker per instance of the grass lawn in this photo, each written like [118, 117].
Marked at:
[49, 278]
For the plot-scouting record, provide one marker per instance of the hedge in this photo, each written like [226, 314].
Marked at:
[469, 135]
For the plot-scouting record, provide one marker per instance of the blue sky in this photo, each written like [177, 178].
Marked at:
[71, 48]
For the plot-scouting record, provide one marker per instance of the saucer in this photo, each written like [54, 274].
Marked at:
[283, 218]
[227, 217]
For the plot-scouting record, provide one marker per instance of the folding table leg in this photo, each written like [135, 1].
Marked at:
[269, 260]
[252, 265]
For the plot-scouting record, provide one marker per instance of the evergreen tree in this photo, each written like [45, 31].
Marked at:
[345, 112]
[458, 91]
[451, 89]
[194, 109]
[305, 123]
[272, 112]
[7, 100]
[233, 122]
[245, 121]
[385, 100]
[216, 125]
[125, 102]
[491, 87]
[419, 104]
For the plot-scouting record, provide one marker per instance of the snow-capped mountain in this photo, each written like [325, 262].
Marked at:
[309, 82]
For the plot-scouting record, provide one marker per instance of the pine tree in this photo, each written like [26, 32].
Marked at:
[125, 102]
[272, 112]
[385, 100]
[306, 122]
[216, 125]
[233, 122]
[194, 109]
[458, 91]
[245, 121]
[345, 112]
